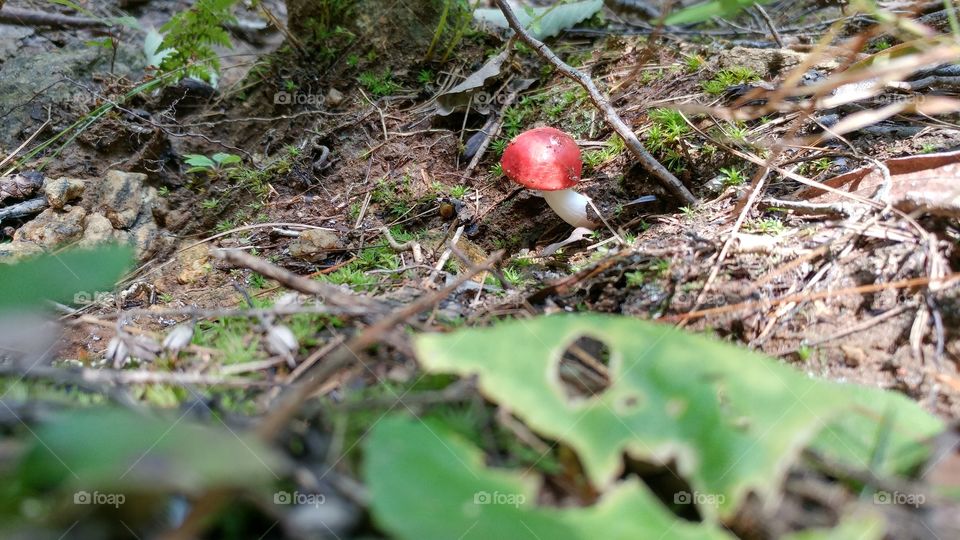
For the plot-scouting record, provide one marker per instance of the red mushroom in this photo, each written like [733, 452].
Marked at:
[548, 160]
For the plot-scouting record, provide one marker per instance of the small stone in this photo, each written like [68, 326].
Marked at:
[853, 356]
[121, 197]
[314, 244]
[146, 239]
[194, 264]
[334, 98]
[97, 229]
[52, 228]
[63, 190]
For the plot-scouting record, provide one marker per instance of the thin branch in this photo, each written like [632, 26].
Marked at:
[28, 17]
[610, 115]
[331, 294]
[348, 353]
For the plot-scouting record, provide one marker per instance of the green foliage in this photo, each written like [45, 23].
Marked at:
[58, 277]
[736, 133]
[394, 197]
[191, 36]
[331, 13]
[668, 127]
[458, 191]
[613, 148]
[233, 336]
[732, 176]
[666, 388]
[693, 63]
[655, 269]
[120, 451]
[379, 85]
[881, 45]
[727, 78]
[764, 226]
[211, 165]
[455, 20]
[355, 274]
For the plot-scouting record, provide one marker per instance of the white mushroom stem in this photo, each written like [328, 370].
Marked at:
[570, 206]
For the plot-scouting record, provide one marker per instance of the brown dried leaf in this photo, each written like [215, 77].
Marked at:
[926, 183]
[19, 186]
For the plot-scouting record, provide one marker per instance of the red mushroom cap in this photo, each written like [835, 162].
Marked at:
[544, 158]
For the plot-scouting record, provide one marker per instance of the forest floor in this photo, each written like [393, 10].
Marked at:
[332, 155]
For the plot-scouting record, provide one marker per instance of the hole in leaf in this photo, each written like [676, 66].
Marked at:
[584, 368]
[665, 481]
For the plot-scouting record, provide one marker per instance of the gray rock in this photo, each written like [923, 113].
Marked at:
[61, 191]
[334, 98]
[53, 228]
[10, 37]
[34, 79]
[313, 244]
[121, 197]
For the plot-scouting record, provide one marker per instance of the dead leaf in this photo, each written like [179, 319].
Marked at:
[926, 183]
[460, 95]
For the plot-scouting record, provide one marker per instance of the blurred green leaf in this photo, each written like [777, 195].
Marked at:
[427, 483]
[60, 276]
[115, 449]
[542, 22]
[706, 10]
[734, 420]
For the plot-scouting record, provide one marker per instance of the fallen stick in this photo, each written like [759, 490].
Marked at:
[29, 17]
[331, 294]
[23, 209]
[610, 115]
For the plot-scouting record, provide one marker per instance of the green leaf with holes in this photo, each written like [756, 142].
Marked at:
[428, 483]
[733, 420]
